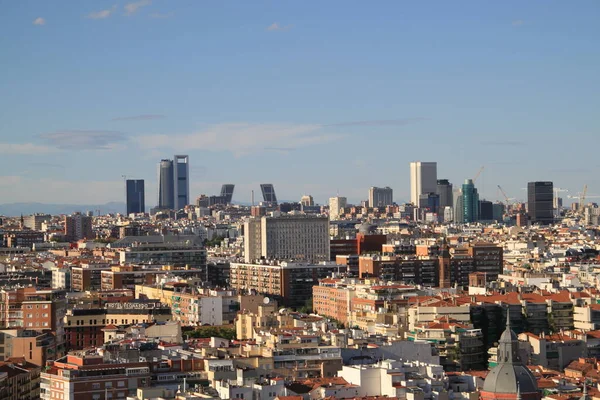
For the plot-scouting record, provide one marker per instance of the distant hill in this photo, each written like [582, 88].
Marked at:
[16, 209]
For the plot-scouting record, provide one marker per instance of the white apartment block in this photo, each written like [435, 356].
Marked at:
[335, 205]
[291, 236]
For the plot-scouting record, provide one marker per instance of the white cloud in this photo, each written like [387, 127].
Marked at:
[24, 148]
[241, 138]
[102, 13]
[277, 27]
[132, 8]
[39, 21]
[84, 139]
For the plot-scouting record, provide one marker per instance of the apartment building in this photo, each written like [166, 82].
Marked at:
[292, 236]
[289, 282]
[88, 276]
[19, 379]
[85, 324]
[90, 377]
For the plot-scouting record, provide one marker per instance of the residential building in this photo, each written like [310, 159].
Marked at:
[135, 196]
[294, 236]
[423, 179]
[90, 377]
[288, 282]
[540, 196]
[23, 239]
[19, 379]
[175, 254]
[380, 197]
[35, 221]
[307, 200]
[77, 227]
[87, 277]
[335, 205]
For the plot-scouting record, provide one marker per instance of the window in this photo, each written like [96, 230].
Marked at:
[121, 384]
[45, 306]
[45, 315]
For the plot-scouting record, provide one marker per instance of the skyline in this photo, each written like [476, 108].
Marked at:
[312, 100]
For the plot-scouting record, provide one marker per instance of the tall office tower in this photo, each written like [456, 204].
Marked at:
[227, 192]
[540, 196]
[181, 181]
[470, 202]
[335, 205]
[77, 227]
[268, 192]
[166, 185]
[307, 200]
[459, 215]
[423, 179]
[444, 190]
[381, 197]
[486, 210]
[135, 196]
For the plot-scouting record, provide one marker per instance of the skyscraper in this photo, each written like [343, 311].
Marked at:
[181, 181]
[540, 196]
[444, 190]
[227, 192]
[470, 202]
[423, 179]
[335, 205]
[459, 215]
[307, 200]
[380, 197]
[135, 196]
[268, 192]
[166, 185]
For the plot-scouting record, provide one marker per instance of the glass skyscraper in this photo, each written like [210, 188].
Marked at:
[470, 202]
[166, 186]
[540, 196]
[135, 196]
[181, 181]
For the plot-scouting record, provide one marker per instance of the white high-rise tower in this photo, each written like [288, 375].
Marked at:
[423, 179]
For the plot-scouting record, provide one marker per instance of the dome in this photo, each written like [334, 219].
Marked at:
[510, 378]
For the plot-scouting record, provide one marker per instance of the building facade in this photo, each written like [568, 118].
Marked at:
[77, 227]
[335, 205]
[166, 185]
[540, 197]
[470, 202]
[381, 197]
[135, 196]
[423, 179]
[181, 181]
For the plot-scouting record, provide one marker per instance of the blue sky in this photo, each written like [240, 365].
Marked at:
[315, 97]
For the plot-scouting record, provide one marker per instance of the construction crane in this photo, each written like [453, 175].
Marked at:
[478, 173]
[505, 196]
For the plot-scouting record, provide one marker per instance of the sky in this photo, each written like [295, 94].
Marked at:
[316, 97]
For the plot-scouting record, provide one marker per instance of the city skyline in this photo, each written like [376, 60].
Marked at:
[467, 84]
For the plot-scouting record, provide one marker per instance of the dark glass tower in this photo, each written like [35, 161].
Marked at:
[540, 196]
[181, 181]
[227, 192]
[470, 202]
[135, 196]
[268, 192]
[166, 186]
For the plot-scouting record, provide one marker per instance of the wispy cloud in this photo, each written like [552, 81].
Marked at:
[143, 117]
[282, 150]
[158, 15]
[9, 180]
[241, 138]
[102, 13]
[508, 143]
[381, 122]
[275, 26]
[132, 8]
[518, 22]
[84, 139]
[39, 21]
[45, 165]
[24, 148]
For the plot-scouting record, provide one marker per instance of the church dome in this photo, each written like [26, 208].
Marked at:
[510, 376]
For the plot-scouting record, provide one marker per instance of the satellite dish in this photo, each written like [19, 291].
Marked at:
[266, 300]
